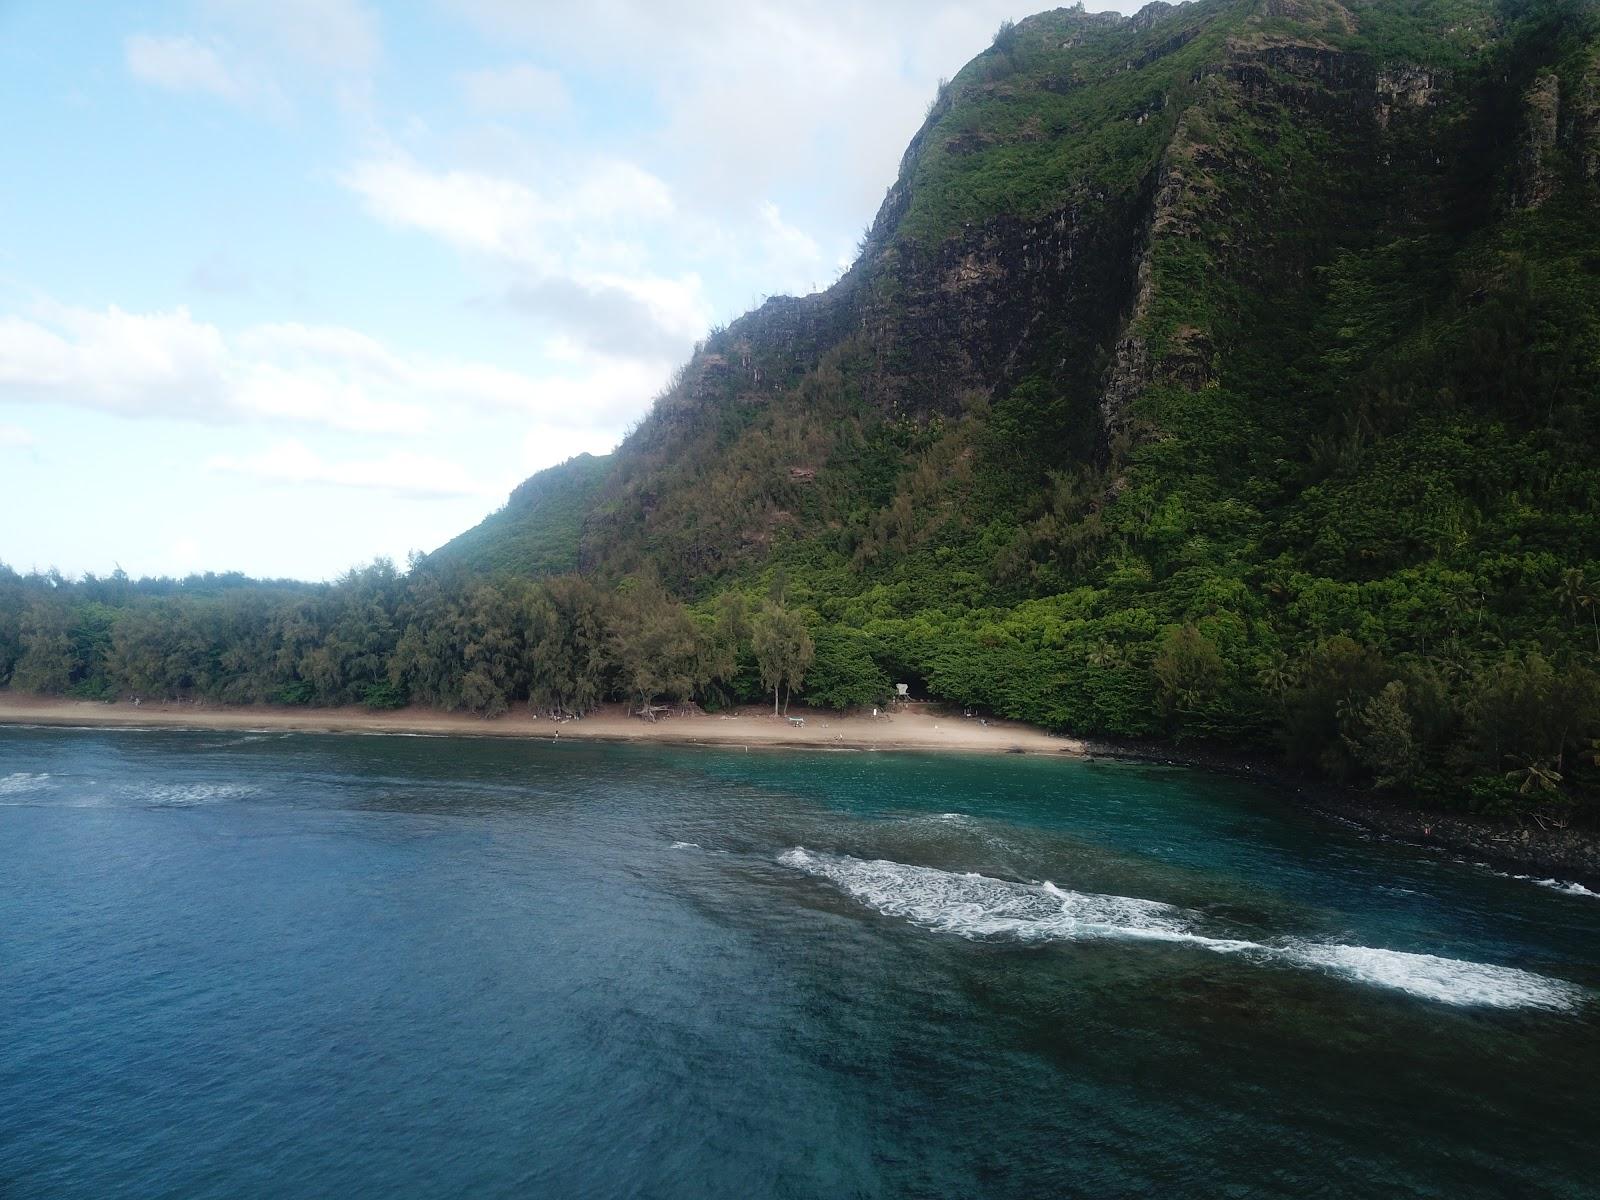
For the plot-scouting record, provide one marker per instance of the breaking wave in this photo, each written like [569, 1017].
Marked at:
[979, 907]
[182, 794]
[18, 782]
[1562, 885]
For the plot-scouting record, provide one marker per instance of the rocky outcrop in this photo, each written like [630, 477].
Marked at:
[1402, 87]
[1097, 218]
[1581, 115]
[1304, 77]
[1535, 180]
[965, 316]
[1324, 16]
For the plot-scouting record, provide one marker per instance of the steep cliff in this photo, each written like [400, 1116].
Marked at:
[1102, 220]
[1228, 335]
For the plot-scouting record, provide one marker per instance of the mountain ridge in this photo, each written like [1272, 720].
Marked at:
[1211, 333]
[1229, 373]
[949, 318]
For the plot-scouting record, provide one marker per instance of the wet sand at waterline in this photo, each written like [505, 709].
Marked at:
[911, 727]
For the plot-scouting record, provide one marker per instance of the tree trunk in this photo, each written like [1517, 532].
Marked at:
[774, 699]
[786, 701]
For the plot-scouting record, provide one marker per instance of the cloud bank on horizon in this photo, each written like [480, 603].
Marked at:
[292, 284]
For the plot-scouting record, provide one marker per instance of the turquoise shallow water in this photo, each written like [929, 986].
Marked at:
[236, 966]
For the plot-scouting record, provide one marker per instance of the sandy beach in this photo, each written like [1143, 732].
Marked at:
[913, 727]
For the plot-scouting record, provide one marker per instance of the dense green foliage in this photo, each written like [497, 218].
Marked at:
[436, 636]
[1308, 464]
[537, 531]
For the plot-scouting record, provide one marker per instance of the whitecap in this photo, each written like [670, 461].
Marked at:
[1448, 980]
[686, 845]
[181, 794]
[20, 782]
[1566, 887]
[979, 907]
[1562, 885]
[973, 905]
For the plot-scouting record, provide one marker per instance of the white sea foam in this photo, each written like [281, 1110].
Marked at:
[179, 794]
[1562, 885]
[686, 845]
[19, 782]
[1556, 885]
[1449, 980]
[979, 907]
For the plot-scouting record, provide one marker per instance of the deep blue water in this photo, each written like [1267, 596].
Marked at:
[294, 966]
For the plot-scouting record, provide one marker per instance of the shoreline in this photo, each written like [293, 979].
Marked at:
[1525, 851]
[1568, 854]
[910, 728]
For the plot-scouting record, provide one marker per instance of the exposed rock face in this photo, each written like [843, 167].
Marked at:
[1309, 78]
[964, 315]
[1124, 165]
[946, 321]
[1582, 116]
[1405, 86]
[1324, 16]
[1535, 172]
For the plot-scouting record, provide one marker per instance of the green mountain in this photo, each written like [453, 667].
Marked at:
[1190, 355]
[537, 531]
[1201, 273]
[1230, 371]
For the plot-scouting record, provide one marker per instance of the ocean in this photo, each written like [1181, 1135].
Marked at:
[242, 965]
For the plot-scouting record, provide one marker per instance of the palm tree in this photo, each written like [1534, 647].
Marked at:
[1571, 590]
[1105, 654]
[1577, 595]
[1278, 676]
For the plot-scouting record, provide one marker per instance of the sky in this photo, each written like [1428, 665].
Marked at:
[286, 285]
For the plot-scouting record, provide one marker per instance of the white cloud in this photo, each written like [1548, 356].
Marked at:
[494, 214]
[469, 210]
[167, 364]
[340, 36]
[182, 64]
[609, 392]
[791, 257]
[15, 437]
[767, 136]
[170, 365]
[575, 250]
[756, 97]
[400, 473]
[519, 88]
[251, 47]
